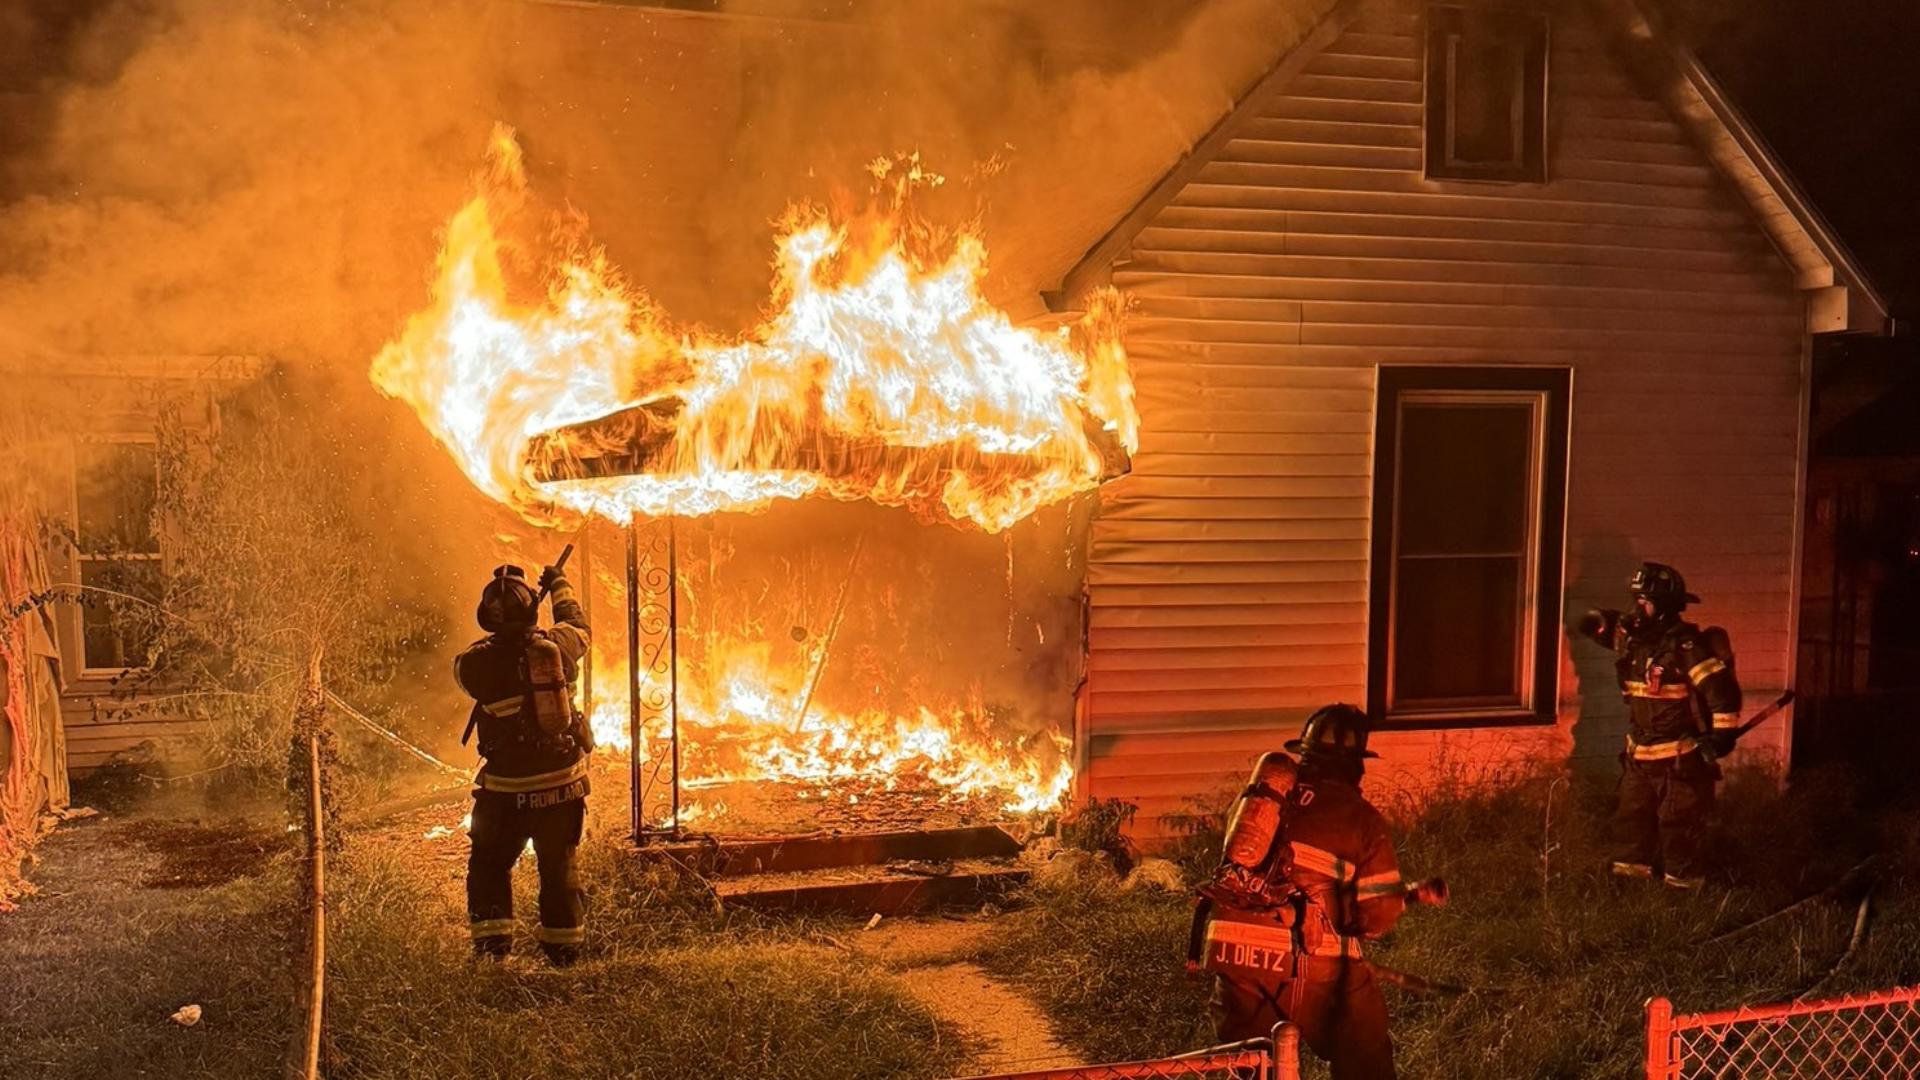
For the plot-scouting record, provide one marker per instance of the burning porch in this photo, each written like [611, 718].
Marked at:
[900, 657]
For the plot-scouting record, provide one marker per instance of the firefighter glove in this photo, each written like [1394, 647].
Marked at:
[1721, 743]
[1432, 892]
[552, 578]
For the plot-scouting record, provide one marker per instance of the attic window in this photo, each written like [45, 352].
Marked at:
[1486, 94]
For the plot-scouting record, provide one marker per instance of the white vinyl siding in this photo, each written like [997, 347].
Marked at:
[1228, 579]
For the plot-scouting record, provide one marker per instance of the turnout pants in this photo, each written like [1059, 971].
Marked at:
[1334, 1002]
[1661, 818]
[500, 833]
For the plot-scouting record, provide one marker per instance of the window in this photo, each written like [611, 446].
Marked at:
[1486, 94]
[1469, 506]
[116, 549]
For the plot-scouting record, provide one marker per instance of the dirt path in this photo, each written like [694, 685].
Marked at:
[134, 918]
[933, 957]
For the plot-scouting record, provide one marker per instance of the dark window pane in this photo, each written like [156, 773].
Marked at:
[117, 630]
[1466, 478]
[115, 490]
[1455, 632]
[1489, 75]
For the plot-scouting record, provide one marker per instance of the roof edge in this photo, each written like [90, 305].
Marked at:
[1849, 302]
[1874, 316]
[1088, 269]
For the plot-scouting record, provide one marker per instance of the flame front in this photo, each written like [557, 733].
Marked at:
[754, 722]
[881, 374]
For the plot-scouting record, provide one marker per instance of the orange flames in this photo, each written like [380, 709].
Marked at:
[754, 721]
[881, 374]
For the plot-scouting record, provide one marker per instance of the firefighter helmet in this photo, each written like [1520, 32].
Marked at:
[508, 602]
[1337, 730]
[1662, 585]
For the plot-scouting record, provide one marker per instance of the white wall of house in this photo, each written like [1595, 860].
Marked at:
[1229, 575]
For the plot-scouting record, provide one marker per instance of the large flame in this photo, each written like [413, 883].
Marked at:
[755, 721]
[881, 374]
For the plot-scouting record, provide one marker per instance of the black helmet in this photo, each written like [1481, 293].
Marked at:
[1335, 730]
[508, 602]
[1662, 585]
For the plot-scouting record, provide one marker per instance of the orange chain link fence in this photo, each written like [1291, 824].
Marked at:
[1274, 1058]
[1854, 1036]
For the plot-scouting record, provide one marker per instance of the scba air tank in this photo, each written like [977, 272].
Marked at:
[547, 686]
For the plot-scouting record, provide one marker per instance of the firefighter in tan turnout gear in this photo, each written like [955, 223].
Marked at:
[1307, 874]
[1683, 713]
[532, 785]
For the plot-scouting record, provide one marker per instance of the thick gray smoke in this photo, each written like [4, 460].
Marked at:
[268, 177]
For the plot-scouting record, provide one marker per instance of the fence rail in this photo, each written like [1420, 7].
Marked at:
[1856, 1035]
[1274, 1058]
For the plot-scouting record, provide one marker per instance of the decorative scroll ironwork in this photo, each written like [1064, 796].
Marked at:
[653, 692]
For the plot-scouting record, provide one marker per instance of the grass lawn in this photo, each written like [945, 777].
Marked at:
[1563, 955]
[131, 924]
[670, 988]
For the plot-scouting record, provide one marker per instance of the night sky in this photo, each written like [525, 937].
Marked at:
[1834, 85]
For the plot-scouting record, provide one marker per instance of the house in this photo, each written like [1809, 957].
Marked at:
[94, 443]
[1857, 678]
[1461, 313]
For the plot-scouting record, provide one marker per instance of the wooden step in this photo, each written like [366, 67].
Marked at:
[885, 890]
[733, 857]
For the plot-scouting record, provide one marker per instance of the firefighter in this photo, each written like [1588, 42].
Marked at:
[1683, 708]
[532, 784]
[1308, 874]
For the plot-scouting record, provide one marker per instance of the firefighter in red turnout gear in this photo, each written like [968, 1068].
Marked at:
[1308, 874]
[1683, 707]
[532, 784]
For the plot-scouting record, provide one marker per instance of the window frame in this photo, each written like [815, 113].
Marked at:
[1446, 23]
[1542, 597]
[78, 559]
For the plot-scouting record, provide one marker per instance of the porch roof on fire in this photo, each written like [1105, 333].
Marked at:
[1090, 217]
[1841, 297]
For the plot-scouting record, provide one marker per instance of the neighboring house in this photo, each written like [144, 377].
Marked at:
[1460, 314]
[1858, 676]
[97, 467]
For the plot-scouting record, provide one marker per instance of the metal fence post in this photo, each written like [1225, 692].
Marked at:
[1286, 1051]
[1660, 1063]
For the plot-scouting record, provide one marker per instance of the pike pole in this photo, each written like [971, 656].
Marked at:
[1761, 717]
